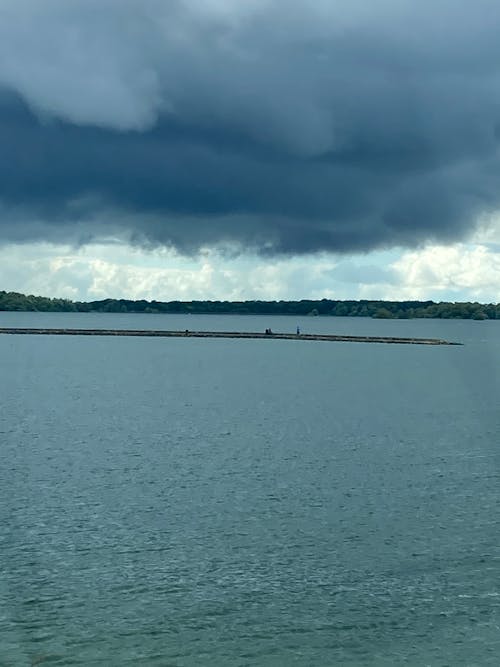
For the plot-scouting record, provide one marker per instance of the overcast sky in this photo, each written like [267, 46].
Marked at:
[251, 149]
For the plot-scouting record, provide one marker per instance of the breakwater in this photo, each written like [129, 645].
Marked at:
[155, 333]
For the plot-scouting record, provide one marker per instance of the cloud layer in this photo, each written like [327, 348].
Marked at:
[282, 127]
[457, 272]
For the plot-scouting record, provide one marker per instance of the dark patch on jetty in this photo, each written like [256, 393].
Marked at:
[225, 334]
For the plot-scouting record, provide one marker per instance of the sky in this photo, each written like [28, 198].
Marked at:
[270, 149]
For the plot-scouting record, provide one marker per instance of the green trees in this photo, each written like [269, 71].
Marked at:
[16, 301]
[382, 314]
[362, 308]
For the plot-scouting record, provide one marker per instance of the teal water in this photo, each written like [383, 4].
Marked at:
[185, 502]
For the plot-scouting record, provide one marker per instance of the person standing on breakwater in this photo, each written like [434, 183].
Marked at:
[298, 330]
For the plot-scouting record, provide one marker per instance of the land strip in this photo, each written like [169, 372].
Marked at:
[155, 333]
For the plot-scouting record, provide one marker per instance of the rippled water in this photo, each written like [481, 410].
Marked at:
[244, 502]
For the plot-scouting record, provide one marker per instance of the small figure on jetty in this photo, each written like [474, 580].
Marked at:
[268, 332]
[298, 330]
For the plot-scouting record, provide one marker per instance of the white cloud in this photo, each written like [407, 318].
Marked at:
[457, 272]
[449, 273]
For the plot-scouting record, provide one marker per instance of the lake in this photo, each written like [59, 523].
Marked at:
[215, 503]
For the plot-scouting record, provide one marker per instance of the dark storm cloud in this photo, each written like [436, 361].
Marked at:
[279, 126]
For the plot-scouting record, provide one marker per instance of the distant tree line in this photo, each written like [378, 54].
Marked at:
[362, 308]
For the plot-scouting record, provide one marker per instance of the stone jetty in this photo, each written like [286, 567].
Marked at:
[154, 333]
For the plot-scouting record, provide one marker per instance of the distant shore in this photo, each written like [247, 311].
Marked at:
[14, 301]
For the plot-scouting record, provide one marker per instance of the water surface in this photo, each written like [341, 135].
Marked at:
[249, 502]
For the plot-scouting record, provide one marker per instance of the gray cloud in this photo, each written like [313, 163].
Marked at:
[267, 125]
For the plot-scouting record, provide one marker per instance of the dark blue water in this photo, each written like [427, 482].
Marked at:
[249, 502]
